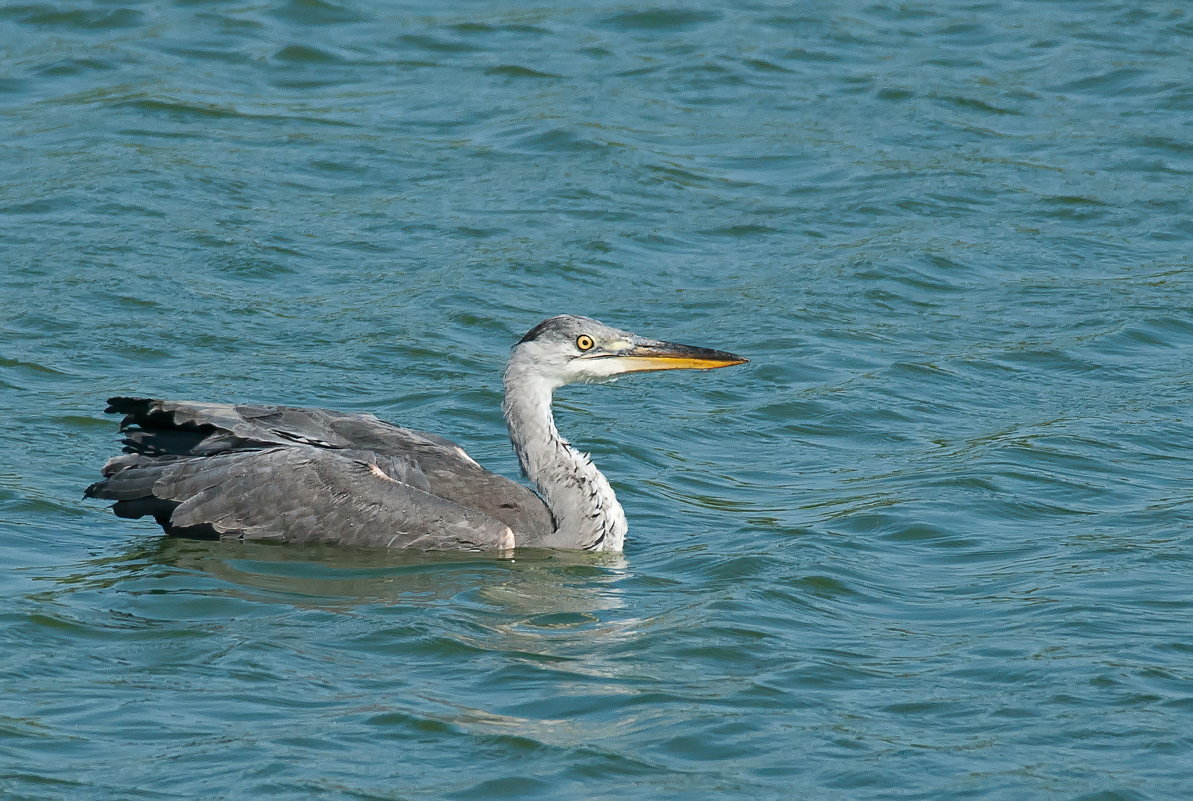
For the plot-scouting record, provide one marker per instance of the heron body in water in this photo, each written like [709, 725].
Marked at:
[312, 475]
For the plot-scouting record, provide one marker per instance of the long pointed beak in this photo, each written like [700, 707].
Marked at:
[649, 354]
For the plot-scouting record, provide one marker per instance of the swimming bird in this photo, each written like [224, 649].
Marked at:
[251, 472]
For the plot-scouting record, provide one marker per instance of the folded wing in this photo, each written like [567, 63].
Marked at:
[289, 494]
[298, 474]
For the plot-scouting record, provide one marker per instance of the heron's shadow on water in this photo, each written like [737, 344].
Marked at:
[331, 577]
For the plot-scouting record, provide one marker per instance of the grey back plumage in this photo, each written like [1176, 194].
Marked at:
[305, 475]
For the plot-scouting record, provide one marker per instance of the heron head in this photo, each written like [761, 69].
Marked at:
[570, 349]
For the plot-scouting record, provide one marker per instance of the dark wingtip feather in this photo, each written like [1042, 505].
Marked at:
[127, 404]
[140, 507]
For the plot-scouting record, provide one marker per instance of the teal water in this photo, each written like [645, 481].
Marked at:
[934, 542]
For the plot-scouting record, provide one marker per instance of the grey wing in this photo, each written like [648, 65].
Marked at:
[426, 461]
[199, 428]
[293, 494]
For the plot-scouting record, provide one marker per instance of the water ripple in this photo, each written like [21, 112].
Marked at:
[931, 542]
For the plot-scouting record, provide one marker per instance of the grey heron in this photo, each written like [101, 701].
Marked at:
[294, 474]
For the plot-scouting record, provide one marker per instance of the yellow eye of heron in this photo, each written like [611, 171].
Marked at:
[584, 342]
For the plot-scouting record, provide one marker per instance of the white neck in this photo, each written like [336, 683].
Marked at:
[587, 514]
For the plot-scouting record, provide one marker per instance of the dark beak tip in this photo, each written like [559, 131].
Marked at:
[735, 358]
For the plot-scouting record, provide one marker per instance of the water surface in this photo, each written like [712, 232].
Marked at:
[934, 541]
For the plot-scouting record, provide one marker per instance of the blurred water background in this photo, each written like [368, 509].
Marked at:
[934, 542]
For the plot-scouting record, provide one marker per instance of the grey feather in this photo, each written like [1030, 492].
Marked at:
[308, 475]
